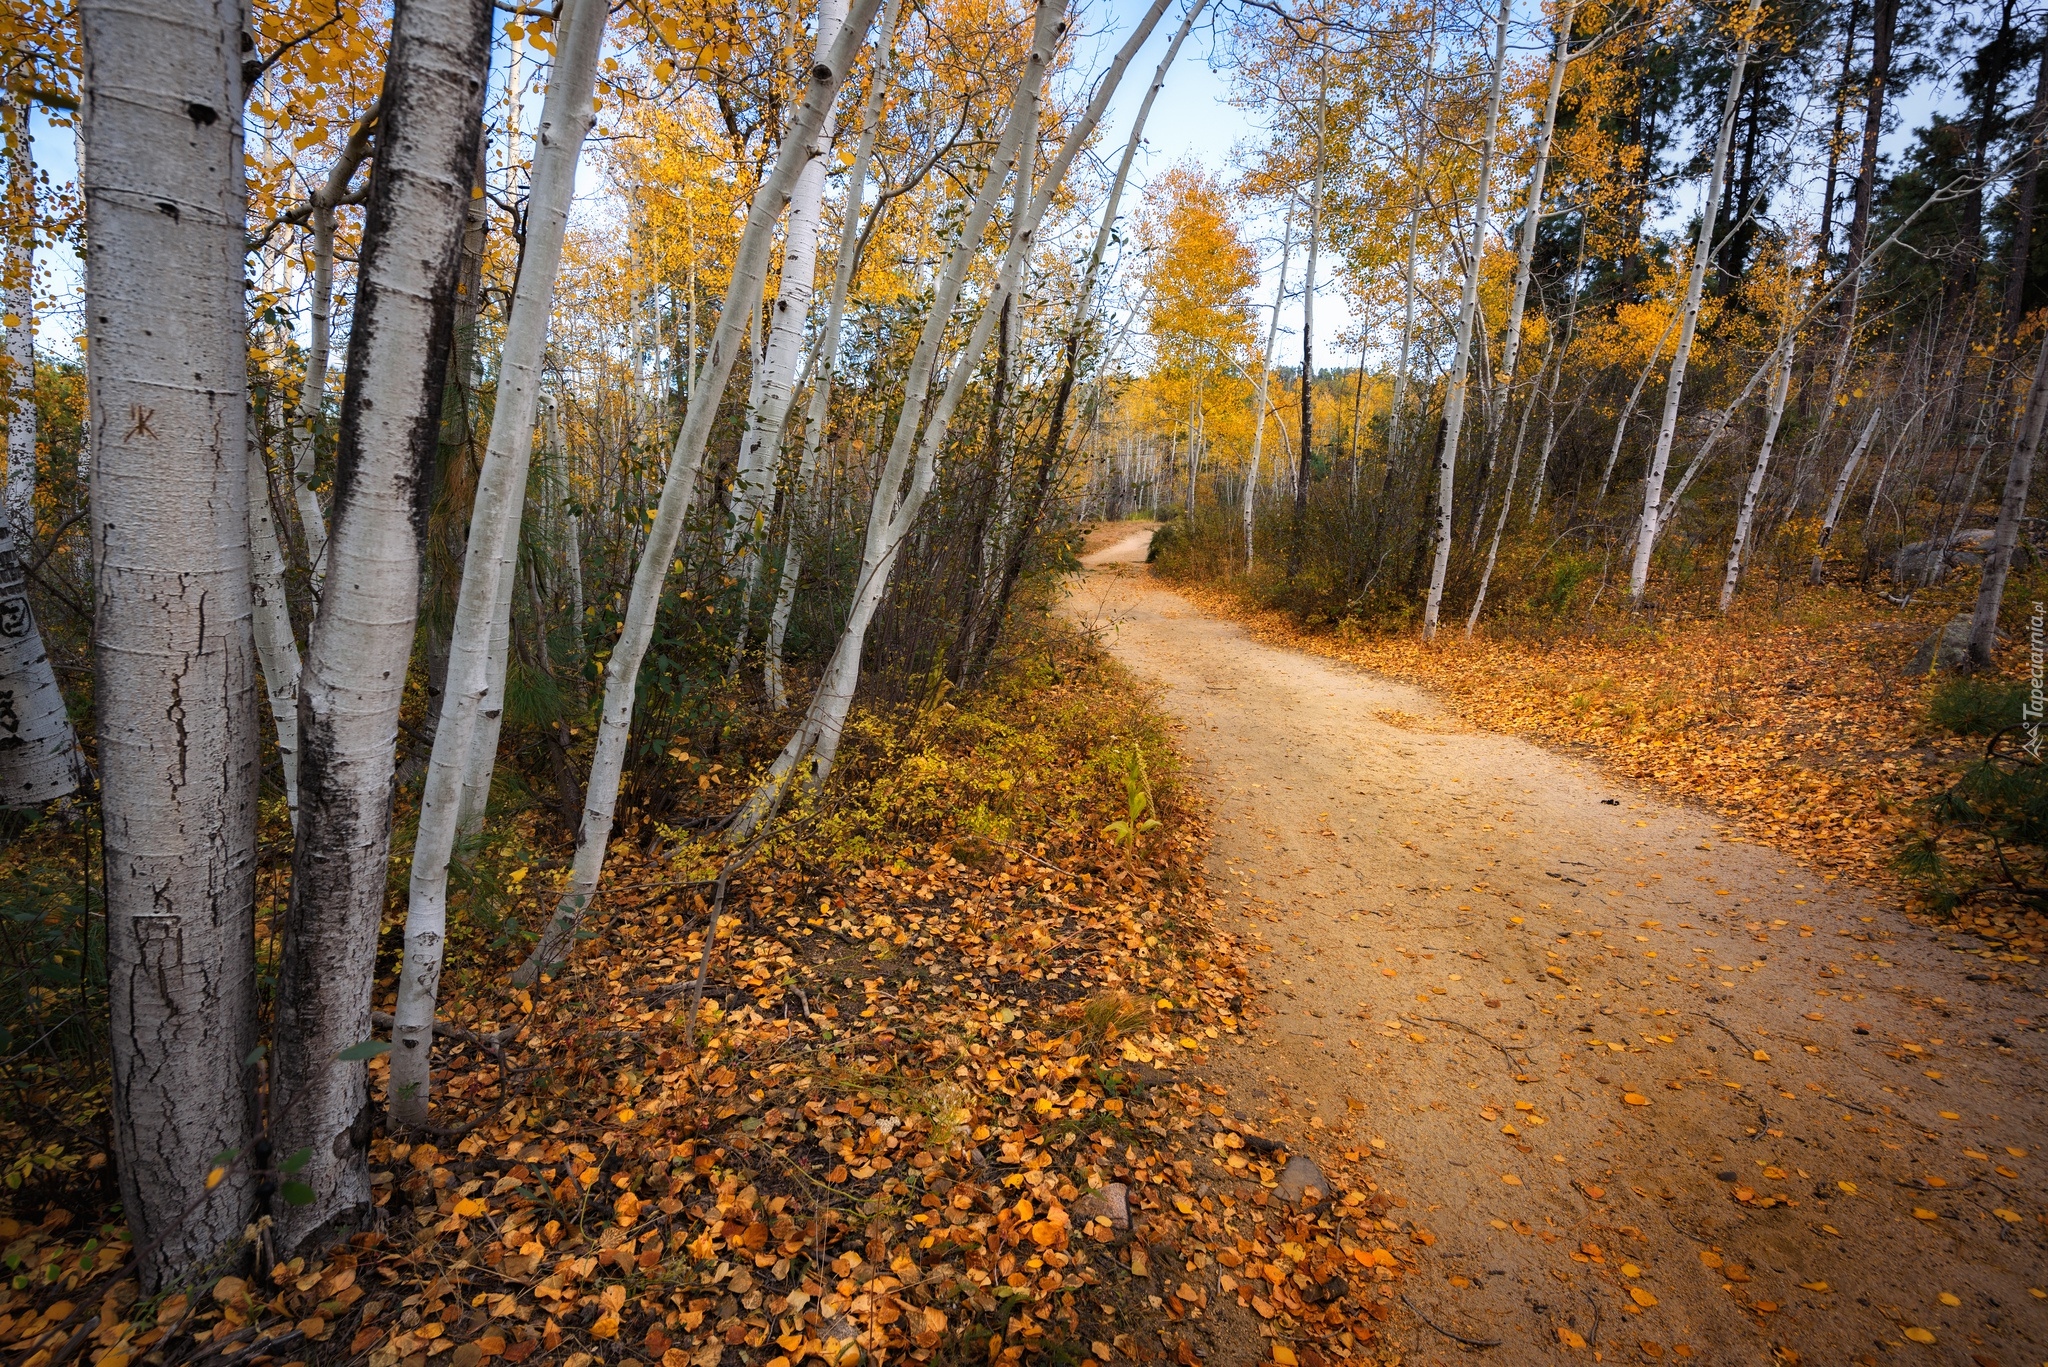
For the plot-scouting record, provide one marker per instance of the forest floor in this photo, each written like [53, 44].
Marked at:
[1651, 1091]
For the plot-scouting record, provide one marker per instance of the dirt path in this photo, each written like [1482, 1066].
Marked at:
[1679, 1098]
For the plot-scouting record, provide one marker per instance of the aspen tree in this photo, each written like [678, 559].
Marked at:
[679, 491]
[896, 503]
[475, 664]
[38, 752]
[1454, 394]
[818, 412]
[276, 647]
[1834, 508]
[355, 666]
[782, 351]
[1702, 257]
[1740, 541]
[18, 318]
[176, 669]
[1251, 474]
[2012, 510]
[320, 210]
[1051, 457]
[1308, 316]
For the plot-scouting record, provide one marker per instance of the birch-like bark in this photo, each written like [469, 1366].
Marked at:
[176, 667]
[17, 302]
[476, 662]
[2012, 511]
[38, 752]
[1251, 476]
[1454, 395]
[276, 647]
[1703, 251]
[1052, 456]
[818, 413]
[1308, 324]
[1754, 488]
[775, 385]
[679, 492]
[1532, 211]
[1400, 396]
[571, 519]
[356, 660]
[891, 517]
[1507, 498]
[1834, 508]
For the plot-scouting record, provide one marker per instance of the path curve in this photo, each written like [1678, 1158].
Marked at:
[1596, 1049]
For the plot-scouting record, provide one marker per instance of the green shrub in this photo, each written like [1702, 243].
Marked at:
[1977, 707]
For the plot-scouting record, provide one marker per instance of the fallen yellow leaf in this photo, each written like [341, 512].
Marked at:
[1635, 1098]
[1641, 1297]
[1919, 1335]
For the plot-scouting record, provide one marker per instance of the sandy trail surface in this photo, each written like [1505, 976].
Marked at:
[1677, 1097]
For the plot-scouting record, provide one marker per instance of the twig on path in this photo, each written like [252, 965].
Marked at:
[1741, 1043]
[1506, 1052]
[1696, 1238]
[1454, 1337]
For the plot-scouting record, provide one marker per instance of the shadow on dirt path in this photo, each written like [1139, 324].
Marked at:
[1644, 1090]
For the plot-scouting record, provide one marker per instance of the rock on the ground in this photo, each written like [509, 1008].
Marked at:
[1298, 1178]
[1909, 565]
[1947, 650]
[1111, 1203]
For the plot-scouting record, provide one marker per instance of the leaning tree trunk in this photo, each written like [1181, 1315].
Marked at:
[18, 317]
[1454, 395]
[760, 452]
[1308, 329]
[2012, 511]
[1526, 253]
[491, 555]
[1628, 411]
[176, 668]
[1739, 543]
[891, 516]
[1052, 455]
[1674, 385]
[1251, 475]
[679, 493]
[356, 661]
[276, 647]
[818, 413]
[1818, 574]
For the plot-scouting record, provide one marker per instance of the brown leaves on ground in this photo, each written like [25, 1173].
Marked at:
[920, 1078]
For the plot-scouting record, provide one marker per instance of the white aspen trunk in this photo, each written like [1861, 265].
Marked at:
[1841, 492]
[775, 379]
[1717, 431]
[1628, 410]
[1703, 251]
[1308, 318]
[2012, 511]
[276, 647]
[17, 303]
[818, 413]
[1251, 475]
[1754, 489]
[1400, 396]
[890, 518]
[38, 752]
[568, 518]
[679, 493]
[465, 744]
[176, 667]
[361, 644]
[1454, 396]
[1532, 213]
[1507, 497]
[312, 397]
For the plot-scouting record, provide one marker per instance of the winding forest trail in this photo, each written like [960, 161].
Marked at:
[1677, 1097]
